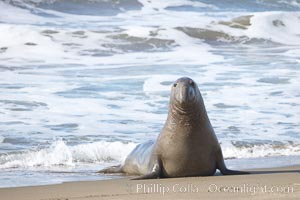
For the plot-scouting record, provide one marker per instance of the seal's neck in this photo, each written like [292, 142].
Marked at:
[189, 117]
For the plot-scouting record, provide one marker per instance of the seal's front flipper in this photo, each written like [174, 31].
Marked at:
[222, 167]
[156, 173]
[232, 172]
[112, 169]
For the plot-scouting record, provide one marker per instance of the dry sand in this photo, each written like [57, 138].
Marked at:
[276, 183]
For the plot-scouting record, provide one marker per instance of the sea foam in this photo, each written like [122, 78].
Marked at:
[279, 27]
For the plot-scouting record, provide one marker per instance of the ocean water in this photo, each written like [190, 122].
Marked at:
[82, 82]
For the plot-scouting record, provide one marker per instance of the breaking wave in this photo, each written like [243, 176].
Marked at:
[62, 155]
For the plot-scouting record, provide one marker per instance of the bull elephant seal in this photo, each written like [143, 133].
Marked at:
[186, 146]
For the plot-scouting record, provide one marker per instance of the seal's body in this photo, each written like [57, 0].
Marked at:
[186, 146]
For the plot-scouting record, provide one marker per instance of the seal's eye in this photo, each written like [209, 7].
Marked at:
[175, 84]
[192, 83]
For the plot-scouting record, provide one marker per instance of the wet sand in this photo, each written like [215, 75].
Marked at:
[273, 183]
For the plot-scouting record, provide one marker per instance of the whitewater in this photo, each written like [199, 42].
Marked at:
[83, 82]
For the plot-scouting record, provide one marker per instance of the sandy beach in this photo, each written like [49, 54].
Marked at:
[274, 183]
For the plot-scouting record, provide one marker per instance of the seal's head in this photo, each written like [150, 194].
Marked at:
[186, 105]
[184, 93]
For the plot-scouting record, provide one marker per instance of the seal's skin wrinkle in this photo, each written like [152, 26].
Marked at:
[187, 144]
